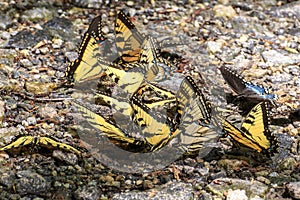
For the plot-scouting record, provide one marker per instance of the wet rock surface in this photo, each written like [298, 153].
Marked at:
[37, 40]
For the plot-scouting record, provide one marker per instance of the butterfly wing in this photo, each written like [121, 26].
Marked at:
[86, 66]
[128, 38]
[129, 80]
[255, 126]
[156, 129]
[187, 90]
[243, 87]
[191, 135]
[48, 141]
[105, 126]
[19, 142]
[254, 131]
[236, 82]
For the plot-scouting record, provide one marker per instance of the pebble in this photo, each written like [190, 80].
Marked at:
[224, 11]
[236, 195]
[2, 111]
[31, 121]
[69, 158]
[26, 63]
[29, 182]
[47, 111]
[169, 191]
[87, 193]
[293, 189]
[274, 57]
[223, 185]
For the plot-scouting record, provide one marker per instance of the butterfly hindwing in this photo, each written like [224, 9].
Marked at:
[193, 135]
[156, 129]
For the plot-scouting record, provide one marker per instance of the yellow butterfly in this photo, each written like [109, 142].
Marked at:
[86, 66]
[38, 140]
[254, 132]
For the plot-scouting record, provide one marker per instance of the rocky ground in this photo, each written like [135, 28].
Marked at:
[258, 39]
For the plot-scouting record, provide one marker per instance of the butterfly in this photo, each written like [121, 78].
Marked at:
[244, 88]
[134, 47]
[106, 126]
[128, 39]
[194, 128]
[187, 90]
[194, 132]
[254, 132]
[47, 141]
[86, 66]
[155, 132]
[156, 128]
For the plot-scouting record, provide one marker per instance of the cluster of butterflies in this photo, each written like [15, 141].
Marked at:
[139, 105]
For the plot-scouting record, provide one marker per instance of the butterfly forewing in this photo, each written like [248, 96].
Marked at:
[128, 38]
[86, 66]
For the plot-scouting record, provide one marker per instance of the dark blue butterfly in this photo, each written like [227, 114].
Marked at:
[244, 88]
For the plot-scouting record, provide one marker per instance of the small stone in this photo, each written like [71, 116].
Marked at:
[67, 157]
[130, 3]
[26, 63]
[294, 189]
[236, 194]
[214, 47]
[224, 11]
[44, 50]
[263, 180]
[57, 43]
[139, 182]
[47, 111]
[31, 120]
[2, 111]
[109, 179]
[147, 184]
[30, 183]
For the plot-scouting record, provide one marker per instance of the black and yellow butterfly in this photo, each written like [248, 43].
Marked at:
[245, 88]
[187, 90]
[134, 47]
[153, 129]
[254, 132]
[194, 133]
[128, 39]
[47, 141]
[156, 128]
[86, 66]
[109, 128]
[194, 127]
